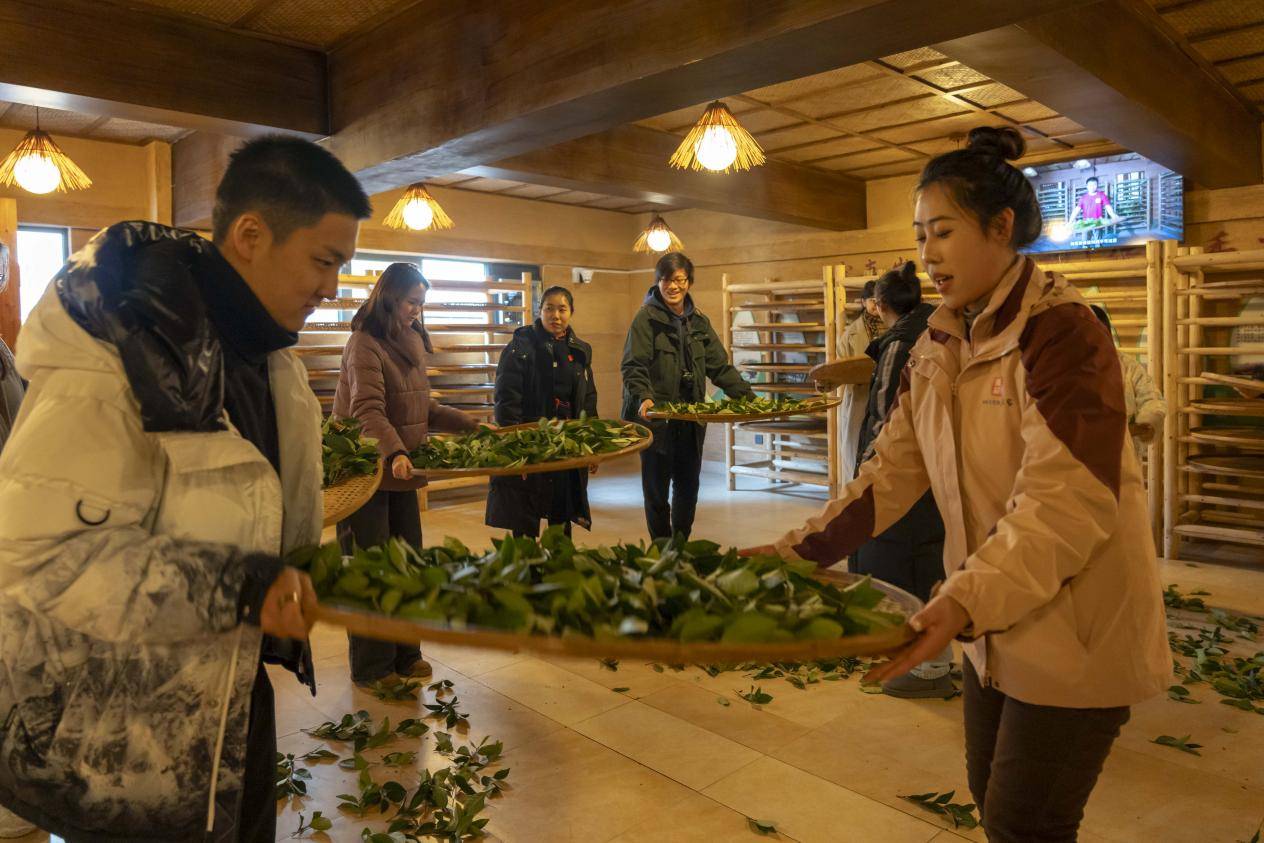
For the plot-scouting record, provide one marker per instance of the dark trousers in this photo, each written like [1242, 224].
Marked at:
[386, 515]
[909, 554]
[677, 467]
[559, 507]
[258, 803]
[1032, 767]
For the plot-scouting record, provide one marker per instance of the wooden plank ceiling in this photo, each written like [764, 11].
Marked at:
[90, 126]
[310, 23]
[889, 116]
[1228, 34]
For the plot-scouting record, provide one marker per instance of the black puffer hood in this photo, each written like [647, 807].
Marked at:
[133, 286]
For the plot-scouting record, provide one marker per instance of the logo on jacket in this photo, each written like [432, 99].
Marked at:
[998, 387]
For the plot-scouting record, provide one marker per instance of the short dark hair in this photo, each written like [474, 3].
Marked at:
[670, 263]
[983, 183]
[867, 291]
[1103, 317]
[290, 182]
[900, 289]
[558, 291]
[1092, 179]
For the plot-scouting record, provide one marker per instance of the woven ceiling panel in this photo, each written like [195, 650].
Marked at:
[219, 11]
[320, 22]
[912, 58]
[885, 155]
[807, 133]
[993, 95]
[840, 146]
[954, 77]
[875, 92]
[1200, 18]
[926, 109]
[795, 88]
[533, 191]
[50, 120]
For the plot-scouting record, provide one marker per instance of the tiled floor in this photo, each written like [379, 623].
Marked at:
[665, 760]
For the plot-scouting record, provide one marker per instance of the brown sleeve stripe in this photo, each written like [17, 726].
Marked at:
[1073, 374]
[1013, 303]
[848, 530]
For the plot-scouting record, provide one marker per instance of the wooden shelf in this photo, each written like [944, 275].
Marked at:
[781, 346]
[474, 308]
[470, 348]
[795, 388]
[318, 350]
[774, 367]
[465, 328]
[1233, 535]
[779, 306]
[779, 327]
[784, 475]
[461, 369]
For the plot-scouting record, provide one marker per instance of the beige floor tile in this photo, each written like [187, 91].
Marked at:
[679, 750]
[552, 691]
[760, 729]
[470, 661]
[568, 788]
[1140, 798]
[639, 678]
[696, 819]
[811, 809]
[1237, 755]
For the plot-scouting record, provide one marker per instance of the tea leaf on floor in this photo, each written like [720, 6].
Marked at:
[764, 827]
[1182, 744]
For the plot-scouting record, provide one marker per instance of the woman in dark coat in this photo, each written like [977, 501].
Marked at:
[670, 353]
[545, 372]
[910, 553]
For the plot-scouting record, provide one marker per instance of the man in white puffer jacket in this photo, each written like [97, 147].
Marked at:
[165, 459]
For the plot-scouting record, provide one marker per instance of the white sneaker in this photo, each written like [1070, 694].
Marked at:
[11, 825]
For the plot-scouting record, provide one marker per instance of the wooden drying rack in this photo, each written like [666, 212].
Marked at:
[1214, 501]
[781, 453]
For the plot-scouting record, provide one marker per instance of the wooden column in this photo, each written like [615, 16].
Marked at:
[10, 310]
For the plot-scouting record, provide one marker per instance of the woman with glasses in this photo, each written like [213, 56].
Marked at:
[670, 352]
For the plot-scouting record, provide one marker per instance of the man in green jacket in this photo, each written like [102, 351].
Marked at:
[670, 352]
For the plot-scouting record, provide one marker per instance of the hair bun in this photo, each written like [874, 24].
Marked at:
[908, 273]
[1004, 142]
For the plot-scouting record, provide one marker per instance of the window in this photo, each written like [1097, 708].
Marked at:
[42, 252]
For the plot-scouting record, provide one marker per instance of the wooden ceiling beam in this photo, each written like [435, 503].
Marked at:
[493, 81]
[1179, 112]
[113, 61]
[631, 162]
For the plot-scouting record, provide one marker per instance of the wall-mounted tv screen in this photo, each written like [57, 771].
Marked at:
[1107, 202]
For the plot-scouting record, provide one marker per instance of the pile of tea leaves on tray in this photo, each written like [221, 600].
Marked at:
[549, 441]
[681, 590]
[345, 452]
[740, 406]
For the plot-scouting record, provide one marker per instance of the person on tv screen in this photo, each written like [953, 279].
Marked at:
[1094, 205]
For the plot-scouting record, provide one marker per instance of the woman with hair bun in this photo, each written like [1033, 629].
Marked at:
[1011, 413]
[910, 553]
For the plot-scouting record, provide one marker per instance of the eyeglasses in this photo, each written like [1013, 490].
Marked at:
[675, 282]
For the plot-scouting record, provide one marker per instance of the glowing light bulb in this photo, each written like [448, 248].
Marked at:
[716, 150]
[658, 240]
[418, 215]
[37, 173]
[1060, 232]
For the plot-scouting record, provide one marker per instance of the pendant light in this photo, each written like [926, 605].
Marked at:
[718, 143]
[38, 165]
[417, 210]
[657, 237]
